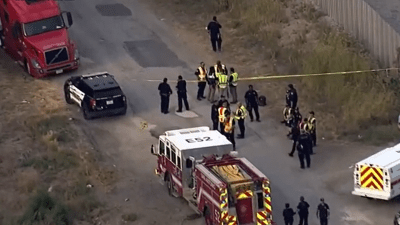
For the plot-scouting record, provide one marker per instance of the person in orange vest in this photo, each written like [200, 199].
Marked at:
[229, 130]
[201, 74]
[222, 113]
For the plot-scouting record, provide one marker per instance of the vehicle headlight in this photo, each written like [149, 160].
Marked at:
[76, 54]
[35, 64]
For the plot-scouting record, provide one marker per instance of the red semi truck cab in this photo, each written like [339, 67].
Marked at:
[34, 33]
[197, 164]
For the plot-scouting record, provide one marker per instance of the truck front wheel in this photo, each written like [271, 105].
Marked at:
[169, 184]
[28, 68]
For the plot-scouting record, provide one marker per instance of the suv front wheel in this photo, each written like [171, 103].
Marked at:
[85, 110]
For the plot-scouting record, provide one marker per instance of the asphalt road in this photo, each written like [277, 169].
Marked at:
[125, 39]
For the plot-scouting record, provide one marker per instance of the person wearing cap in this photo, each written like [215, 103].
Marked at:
[251, 97]
[291, 96]
[302, 209]
[240, 115]
[182, 96]
[165, 92]
[233, 79]
[201, 74]
[323, 212]
[312, 124]
[288, 214]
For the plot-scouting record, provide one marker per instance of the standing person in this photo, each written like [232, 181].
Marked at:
[240, 115]
[222, 101]
[215, 34]
[182, 96]
[165, 92]
[251, 97]
[229, 130]
[291, 96]
[297, 117]
[303, 149]
[214, 115]
[295, 137]
[312, 123]
[222, 113]
[212, 82]
[323, 212]
[288, 214]
[201, 74]
[302, 209]
[233, 78]
[222, 78]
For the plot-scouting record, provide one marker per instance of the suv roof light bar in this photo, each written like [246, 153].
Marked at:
[105, 73]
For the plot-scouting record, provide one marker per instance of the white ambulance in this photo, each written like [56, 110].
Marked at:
[378, 176]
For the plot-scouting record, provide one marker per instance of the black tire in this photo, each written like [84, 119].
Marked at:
[1, 40]
[85, 111]
[67, 95]
[123, 112]
[169, 184]
[27, 68]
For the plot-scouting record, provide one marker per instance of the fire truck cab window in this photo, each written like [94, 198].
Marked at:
[260, 200]
[179, 162]
[168, 153]
[162, 146]
[173, 156]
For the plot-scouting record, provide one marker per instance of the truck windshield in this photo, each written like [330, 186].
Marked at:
[42, 26]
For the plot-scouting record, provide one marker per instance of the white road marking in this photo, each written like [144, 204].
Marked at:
[187, 114]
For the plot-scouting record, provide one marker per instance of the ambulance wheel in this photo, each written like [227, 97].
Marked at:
[169, 184]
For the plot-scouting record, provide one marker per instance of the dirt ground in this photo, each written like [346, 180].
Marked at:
[44, 156]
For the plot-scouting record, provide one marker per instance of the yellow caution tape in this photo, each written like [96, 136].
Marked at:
[263, 77]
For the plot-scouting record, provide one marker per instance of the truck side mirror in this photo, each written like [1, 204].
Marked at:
[68, 21]
[153, 150]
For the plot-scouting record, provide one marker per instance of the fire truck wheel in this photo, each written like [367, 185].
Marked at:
[28, 68]
[169, 184]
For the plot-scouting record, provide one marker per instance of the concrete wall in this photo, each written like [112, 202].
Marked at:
[363, 22]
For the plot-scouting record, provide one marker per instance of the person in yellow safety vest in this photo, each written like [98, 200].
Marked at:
[233, 79]
[312, 123]
[240, 115]
[287, 112]
[201, 74]
[222, 79]
[222, 113]
[229, 130]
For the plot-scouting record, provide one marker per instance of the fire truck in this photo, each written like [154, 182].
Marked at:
[198, 165]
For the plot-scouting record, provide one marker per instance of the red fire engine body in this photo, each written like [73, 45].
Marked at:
[224, 188]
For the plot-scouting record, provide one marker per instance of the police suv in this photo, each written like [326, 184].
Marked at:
[98, 94]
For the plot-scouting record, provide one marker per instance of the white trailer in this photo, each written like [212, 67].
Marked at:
[378, 176]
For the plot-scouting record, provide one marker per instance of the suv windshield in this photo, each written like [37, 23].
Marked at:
[41, 26]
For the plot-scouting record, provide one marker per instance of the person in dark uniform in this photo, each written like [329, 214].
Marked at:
[295, 137]
[291, 97]
[304, 149]
[288, 214]
[251, 97]
[323, 212]
[214, 115]
[165, 92]
[201, 74]
[215, 34]
[182, 96]
[302, 209]
[212, 84]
